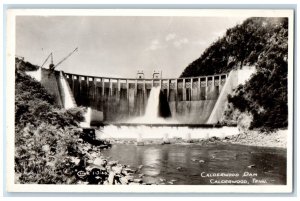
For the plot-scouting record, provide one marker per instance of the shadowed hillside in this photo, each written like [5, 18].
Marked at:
[262, 42]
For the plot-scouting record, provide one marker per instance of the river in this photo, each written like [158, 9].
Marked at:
[194, 164]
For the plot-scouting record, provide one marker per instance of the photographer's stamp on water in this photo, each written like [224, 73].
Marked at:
[233, 178]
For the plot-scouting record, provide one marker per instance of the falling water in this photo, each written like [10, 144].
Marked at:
[151, 115]
[141, 127]
[87, 119]
[153, 104]
[68, 101]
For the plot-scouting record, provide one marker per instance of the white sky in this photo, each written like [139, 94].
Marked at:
[119, 46]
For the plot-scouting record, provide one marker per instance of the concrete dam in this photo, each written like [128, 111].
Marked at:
[190, 100]
[194, 100]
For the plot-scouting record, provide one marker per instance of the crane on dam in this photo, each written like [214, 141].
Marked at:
[52, 66]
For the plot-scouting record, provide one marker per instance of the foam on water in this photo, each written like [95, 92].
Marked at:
[156, 132]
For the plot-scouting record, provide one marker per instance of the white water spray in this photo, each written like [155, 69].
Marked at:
[87, 119]
[69, 101]
[152, 111]
[163, 132]
[153, 103]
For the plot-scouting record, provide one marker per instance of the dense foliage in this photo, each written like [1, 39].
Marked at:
[49, 146]
[241, 45]
[44, 133]
[22, 65]
[262, 42]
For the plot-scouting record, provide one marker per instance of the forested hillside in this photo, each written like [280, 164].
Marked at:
[50, 147]
[44, 133]
[262, 42]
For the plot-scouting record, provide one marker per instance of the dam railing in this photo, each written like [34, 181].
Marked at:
[184, 89]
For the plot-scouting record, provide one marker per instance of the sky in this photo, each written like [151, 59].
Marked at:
[119, 46]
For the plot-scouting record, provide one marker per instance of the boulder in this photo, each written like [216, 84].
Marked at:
[75, 160]
[227, 138]
[140, 143]
[251, 166]
[162, 180]
[129, 178]
[124, 180]
[46, 148]
[112, 163]
[201, 161]
[140, 167]
[100, 162]
[94, 155]
[138, 181]
[117, 169]
[214, 138]
[134, 183]
[149, 180]
[111, 178]
[129, 170]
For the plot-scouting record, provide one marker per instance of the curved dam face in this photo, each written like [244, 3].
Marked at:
[186, 100]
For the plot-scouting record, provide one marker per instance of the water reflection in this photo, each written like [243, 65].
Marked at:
[152, 161]
[185, 163]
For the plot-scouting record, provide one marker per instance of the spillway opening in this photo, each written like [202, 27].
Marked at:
[157, 109]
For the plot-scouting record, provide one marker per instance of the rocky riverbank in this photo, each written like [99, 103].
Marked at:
[91, 167]
[252, 138]
[257, 138]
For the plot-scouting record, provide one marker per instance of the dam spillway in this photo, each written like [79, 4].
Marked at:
[191, 100]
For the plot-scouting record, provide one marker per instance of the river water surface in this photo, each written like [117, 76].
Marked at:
[199, 164]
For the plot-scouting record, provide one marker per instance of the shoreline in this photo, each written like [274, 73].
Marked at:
[93, 167]
[277, 139]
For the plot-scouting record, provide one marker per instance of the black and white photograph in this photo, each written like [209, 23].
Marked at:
[141, 100]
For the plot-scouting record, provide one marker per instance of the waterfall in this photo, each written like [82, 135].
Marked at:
[87, 119]
[68, 101]
[152, 108]
[151, 115]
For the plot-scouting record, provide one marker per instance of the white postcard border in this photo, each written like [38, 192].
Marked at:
[10, 97]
